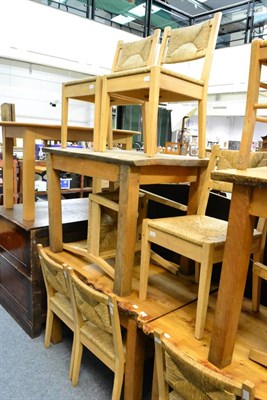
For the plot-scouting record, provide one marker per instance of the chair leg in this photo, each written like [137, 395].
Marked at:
[145, 259]
[118, 381]
[64, 118]
[204, 290]
[78, 351]
[259, 273]
[93, 236]
[72, 360]
[97, 113]
[152, 113]
[105, 114]
[48, 326]
[256, 291]
[202, 120]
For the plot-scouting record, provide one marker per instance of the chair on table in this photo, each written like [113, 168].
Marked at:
[128, 56]
[58, 299]
[97, 327]
[255, 101]
[180, 376]
[159, 84]
[197, 237]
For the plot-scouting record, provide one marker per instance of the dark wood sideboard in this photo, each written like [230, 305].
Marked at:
[22, 290]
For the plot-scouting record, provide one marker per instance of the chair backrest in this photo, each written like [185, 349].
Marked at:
[137, 54]
[192, 379]
[191, 43]
[53, 273]
[224, 159]
[98, 308]
[258, 58]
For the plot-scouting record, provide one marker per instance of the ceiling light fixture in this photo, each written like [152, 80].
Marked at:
[140, 10]
[122, 20]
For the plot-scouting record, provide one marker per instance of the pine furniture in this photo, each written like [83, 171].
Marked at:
[249, 200]
[97, 327]
[129, 170]
[198, 237]
[128, 57]
[29, 132]
[162, 83]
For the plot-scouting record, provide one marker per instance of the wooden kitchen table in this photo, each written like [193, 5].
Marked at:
[249, 200]
[129, 169]
[30, 132]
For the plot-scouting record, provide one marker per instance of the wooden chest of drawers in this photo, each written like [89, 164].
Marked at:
[22, 290]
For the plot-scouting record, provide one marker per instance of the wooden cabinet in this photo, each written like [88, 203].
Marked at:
[22, 290]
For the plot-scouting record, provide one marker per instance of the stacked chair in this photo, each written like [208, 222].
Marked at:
[197, 237]
[180, 376]
[155, 83]
[59, 306]
[254, 104]
[92, 316]
[128, 57]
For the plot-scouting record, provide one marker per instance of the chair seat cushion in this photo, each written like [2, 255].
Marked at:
[100, 338]
[197, 229]
[63, 304]
[79, 81]
[182, 76]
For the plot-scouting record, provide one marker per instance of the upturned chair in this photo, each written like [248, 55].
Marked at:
[97, 327]
[197, 237]
[128, 56]
[181, 377]
[258, 60]
[58, 298]
[255, 102]
[155, 83]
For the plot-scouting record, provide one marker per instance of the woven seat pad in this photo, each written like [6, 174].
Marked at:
[63, 303]
[78, 81]
[197, 229]
[129, 72]
[182, 76]
[100, 338]
[148, 70]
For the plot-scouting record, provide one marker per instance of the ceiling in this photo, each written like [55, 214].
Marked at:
[174, 13]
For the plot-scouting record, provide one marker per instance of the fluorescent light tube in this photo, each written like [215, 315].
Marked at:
[121, 19]
[140, 10]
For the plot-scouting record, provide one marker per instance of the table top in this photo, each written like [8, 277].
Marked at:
[250, 176]
[171, 291]
[33, 125]
[129, 157]
[179, 324]
[73, 210]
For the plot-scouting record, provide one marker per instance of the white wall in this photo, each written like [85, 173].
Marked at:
[39, 34]
[42, 47]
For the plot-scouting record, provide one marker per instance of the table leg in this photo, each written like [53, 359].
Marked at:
[55, 209]
[127, 225]
[28, 190]
[233, 277]
[134, 368]
[8, 189]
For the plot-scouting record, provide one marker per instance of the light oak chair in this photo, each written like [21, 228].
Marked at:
[128, 56]
[97, 327]
[197, 237]
[255, 102]
[156, 83]
[58, 299]
[180, 376]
